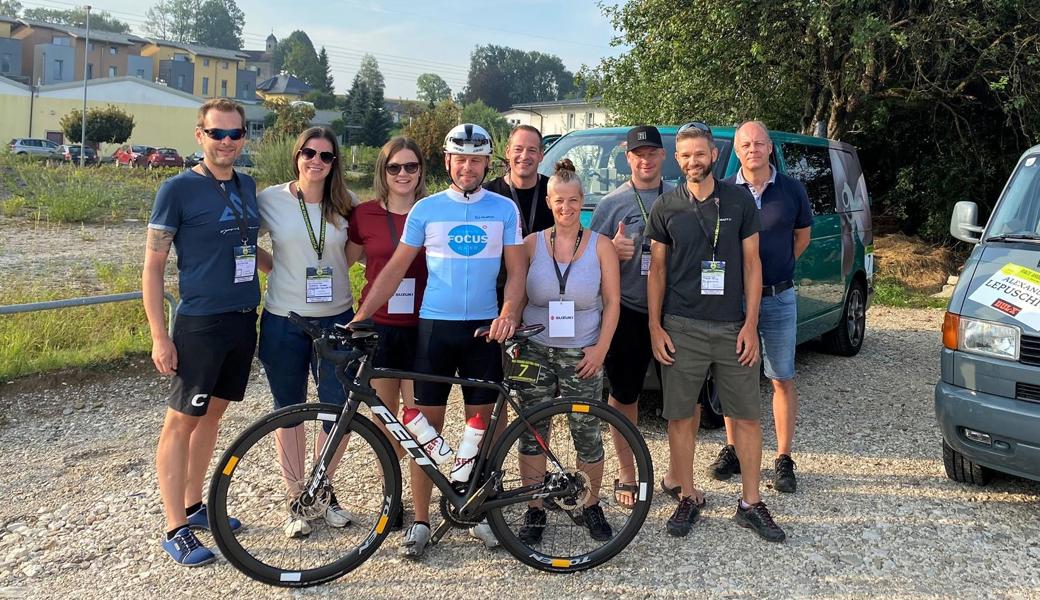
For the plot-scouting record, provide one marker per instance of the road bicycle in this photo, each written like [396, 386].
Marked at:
[534, 460]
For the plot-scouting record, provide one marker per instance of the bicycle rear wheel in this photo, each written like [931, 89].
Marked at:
[260, 481]
[576, 432]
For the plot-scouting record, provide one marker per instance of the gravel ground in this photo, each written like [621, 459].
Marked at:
[874, 516]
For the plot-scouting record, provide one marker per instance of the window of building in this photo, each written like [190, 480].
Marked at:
[180, 82]
[113, 50]
[59, 69]
[205, 62]
[5, 62]
[90, 47]
[223, 88]
[90, 70]
[570, 120]
[590, 119]
[812, 166]
[111, 71]
[183, 57]
[140, 73]
[224, 65]
[60, 40]
[205, 86]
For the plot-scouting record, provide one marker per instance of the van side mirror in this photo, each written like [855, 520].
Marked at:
[964, 222]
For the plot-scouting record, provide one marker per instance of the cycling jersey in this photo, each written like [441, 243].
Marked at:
[464, 240]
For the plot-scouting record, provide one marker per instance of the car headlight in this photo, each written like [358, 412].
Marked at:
[988, 338]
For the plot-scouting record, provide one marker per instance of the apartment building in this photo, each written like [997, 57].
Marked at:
[201, 70]
[53, 53]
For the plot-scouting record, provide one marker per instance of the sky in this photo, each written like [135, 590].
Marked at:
[411, 38]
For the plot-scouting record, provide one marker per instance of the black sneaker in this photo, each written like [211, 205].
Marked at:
[682, 519]
[725, 465]
[596, 521]
[757, 517]
[783, 477]
[534, 525]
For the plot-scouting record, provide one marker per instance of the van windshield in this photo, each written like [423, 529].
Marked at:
[1018, 212]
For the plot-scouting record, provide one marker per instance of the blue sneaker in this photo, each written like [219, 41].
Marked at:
[187, 550]
[200, 520]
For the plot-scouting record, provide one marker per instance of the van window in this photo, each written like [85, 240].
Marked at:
[1017, 213]
[812, 166]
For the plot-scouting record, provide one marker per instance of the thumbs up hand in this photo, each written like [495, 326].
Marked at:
[625, 247]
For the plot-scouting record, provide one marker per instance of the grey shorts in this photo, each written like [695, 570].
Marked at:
[699, 346]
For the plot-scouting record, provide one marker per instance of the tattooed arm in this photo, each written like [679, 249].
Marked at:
[164, 355]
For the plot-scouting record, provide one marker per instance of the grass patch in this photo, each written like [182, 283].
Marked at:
[889, 292]
[72, 337]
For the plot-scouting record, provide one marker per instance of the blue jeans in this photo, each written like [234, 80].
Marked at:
[287, 355]
[778, 328]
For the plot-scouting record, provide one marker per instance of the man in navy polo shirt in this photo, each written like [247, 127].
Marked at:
[786, 217]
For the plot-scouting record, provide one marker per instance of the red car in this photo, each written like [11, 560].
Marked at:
[132, 155]
[165, 157]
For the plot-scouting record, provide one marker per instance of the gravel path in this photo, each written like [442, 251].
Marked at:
[874, 517]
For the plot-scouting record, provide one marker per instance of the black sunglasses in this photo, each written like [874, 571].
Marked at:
[326, 157]
[219, 134]
[698, 125]
[409, 167]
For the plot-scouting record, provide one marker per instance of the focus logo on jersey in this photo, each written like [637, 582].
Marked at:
[467, 240]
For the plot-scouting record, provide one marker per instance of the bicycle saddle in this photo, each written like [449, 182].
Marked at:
[519, 334]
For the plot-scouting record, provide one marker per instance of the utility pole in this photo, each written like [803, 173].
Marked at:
[83, 121]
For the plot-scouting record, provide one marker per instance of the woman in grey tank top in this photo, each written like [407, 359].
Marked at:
[573, 288]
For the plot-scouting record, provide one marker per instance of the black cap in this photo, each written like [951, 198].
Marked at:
[644, 135]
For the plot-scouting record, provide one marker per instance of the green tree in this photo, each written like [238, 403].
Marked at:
[75, 17]
[10, 8]
[109, 125]
[364, 113]
[172, 20]
[431, 88]
[487, 117]
[321, 100]
[327, 84]
[501, 76]
[428, 130]
[291, 118]
[219, 24]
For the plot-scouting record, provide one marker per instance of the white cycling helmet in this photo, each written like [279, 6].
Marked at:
[468, 139]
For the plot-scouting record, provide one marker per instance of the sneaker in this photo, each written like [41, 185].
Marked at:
[596, 521]
[725, 465]
[682, 519]
[783, 478]
[335, 515]
[482, 531]
[200, 520]
[757, 517]
[296, 528]
[187, 550]
[534, 525]
[416, 540]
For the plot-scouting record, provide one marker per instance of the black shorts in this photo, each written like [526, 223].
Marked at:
[396, 347]
[447, 347]
[629, 356]
[214, 357]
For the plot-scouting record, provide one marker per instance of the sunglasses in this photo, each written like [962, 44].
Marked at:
[326, 157]
[698, 126]
[410, 167]
[220, 134]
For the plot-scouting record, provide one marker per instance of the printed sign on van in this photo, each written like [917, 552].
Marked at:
[1015, 291]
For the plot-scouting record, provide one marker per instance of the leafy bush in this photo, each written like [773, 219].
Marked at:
[272, 160]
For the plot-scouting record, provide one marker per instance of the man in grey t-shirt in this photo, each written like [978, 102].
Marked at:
[622, 215]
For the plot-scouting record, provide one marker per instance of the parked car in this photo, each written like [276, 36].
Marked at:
[987, 400]
[132, 155]
[36, 147]
[165, 157]
[70, 155]
[833, 278]
[193, 159]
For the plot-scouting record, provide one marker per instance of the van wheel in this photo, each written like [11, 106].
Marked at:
[847, 338]
[962, 470]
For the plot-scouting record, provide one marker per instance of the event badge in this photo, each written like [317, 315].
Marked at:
[713, 277]
[644, 263]
[403, 300]
[245, 263]
[561, 319]
[319, 284]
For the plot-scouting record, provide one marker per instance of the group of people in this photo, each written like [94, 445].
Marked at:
[669, 276]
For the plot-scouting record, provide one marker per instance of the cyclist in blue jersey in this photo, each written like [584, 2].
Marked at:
[466, 232]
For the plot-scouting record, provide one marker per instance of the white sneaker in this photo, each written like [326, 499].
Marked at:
[416, 540]
[482, 531]
[297, 528]
[336, 516]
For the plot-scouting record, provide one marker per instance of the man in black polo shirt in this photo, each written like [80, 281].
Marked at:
[786, 230]
[704, 271]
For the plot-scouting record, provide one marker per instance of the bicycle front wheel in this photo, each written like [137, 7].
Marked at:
[603, 463]
[289, 536]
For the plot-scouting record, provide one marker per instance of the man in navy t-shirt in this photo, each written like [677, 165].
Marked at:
[209, 213]
[786, 216]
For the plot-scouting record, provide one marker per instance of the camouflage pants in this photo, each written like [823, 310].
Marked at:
[558, 377]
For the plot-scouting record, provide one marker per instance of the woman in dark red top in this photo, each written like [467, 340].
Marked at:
[375, 229]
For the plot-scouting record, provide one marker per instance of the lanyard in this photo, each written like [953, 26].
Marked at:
[639, 199]
[529, 225]
[562, 277]
[390, 225]
[317, 244]
[243, 228]
[704, 228]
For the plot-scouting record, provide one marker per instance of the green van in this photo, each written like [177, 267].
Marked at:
[834, 276]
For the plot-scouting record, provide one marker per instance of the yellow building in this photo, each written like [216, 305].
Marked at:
[163, 117]
[201, 70]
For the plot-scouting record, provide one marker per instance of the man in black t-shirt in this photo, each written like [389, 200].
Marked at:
[703, 295]
[522, 182]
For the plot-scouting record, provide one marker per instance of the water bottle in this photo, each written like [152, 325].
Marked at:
[468, 449]
[427, 436]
